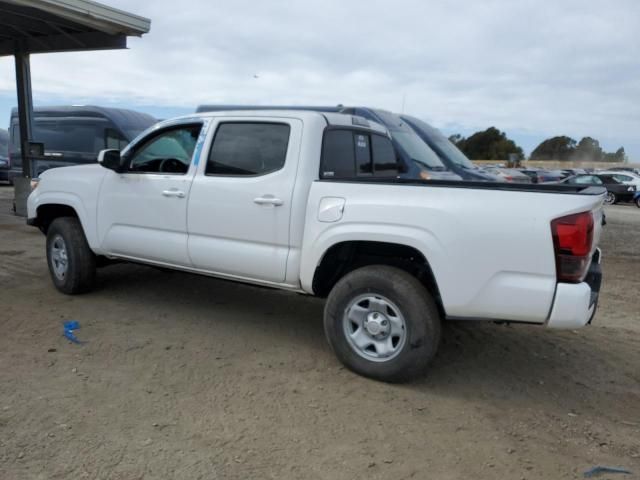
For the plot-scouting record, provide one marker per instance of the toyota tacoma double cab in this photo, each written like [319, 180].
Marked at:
[314, 203]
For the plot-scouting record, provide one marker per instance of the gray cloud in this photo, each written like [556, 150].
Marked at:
[561, 67]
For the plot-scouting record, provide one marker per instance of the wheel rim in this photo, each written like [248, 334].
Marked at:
[609, 198]
[59, 258]
[374, 327]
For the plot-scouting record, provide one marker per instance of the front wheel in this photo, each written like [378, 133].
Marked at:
[637, 202]
[610, 199]
[72, 264]
[382, 323]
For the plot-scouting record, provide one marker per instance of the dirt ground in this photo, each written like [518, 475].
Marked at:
[188, 377]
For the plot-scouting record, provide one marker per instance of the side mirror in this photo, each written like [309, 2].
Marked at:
[110, 159]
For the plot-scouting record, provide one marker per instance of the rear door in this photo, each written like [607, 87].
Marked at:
[240, 201]
[142, 213]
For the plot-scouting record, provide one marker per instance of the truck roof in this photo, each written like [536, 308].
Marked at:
[313, 108]
[331, 118]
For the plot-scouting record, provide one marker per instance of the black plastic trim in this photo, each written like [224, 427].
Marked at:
[480, 185]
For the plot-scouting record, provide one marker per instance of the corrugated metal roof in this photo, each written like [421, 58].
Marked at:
[41, 26]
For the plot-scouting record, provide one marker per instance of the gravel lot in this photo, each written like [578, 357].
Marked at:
[193, 378]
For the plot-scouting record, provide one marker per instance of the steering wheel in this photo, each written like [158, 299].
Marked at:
[171, 165]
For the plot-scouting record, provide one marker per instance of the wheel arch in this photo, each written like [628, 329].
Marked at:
[48, 207]
[345, 256]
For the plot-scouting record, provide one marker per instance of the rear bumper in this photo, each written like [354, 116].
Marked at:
[575, 304]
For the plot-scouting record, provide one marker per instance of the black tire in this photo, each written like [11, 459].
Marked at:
[637, 202]
[416, 306]
[80, 273]
[610, 199]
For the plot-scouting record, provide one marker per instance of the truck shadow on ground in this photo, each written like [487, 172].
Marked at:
[497, 362]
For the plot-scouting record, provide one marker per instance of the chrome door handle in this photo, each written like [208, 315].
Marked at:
[173, 193]
[268, 200]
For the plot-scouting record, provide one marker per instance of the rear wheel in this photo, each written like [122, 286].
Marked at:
[637, 201]
[382, 323]
[610, 199]
[72, 264]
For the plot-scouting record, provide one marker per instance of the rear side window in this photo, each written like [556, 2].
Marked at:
[349, 154]
[623, 178]
[338, 156]
[248, 149]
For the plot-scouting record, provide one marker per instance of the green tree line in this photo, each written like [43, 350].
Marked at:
[493, 144]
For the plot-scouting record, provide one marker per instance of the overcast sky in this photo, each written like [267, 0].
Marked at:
[532, 68]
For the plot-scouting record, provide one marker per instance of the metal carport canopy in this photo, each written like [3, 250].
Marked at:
[46, 26]
[43, 26]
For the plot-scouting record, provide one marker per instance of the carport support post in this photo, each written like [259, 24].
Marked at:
[22, 184]
[25, 107]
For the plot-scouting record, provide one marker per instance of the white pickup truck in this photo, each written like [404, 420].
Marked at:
[314, 203]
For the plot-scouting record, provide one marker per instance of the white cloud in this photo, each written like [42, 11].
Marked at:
[547, 67]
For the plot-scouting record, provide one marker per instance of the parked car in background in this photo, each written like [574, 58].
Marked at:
[74, 135]
[616, 190]
[451, 155]
[419, 158]
[628, 178]
[311, 203]
[540, 175]
[4, 155]
[626, 169]
[568, 172]
[508, 174]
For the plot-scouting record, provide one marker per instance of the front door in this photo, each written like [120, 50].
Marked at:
[240, 202]
[142, 213]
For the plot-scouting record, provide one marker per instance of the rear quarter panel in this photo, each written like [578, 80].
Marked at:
[491, 251]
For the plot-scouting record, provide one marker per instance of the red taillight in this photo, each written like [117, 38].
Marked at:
[572, 241]
[508, 178]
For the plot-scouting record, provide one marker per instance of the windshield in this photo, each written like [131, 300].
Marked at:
[439, 142]
[132, 133]
[419, 152]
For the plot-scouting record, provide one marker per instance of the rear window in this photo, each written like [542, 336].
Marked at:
[350, 154]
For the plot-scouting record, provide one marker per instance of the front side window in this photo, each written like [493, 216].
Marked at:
[169, 151]
[248, 149]
[349, 154]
